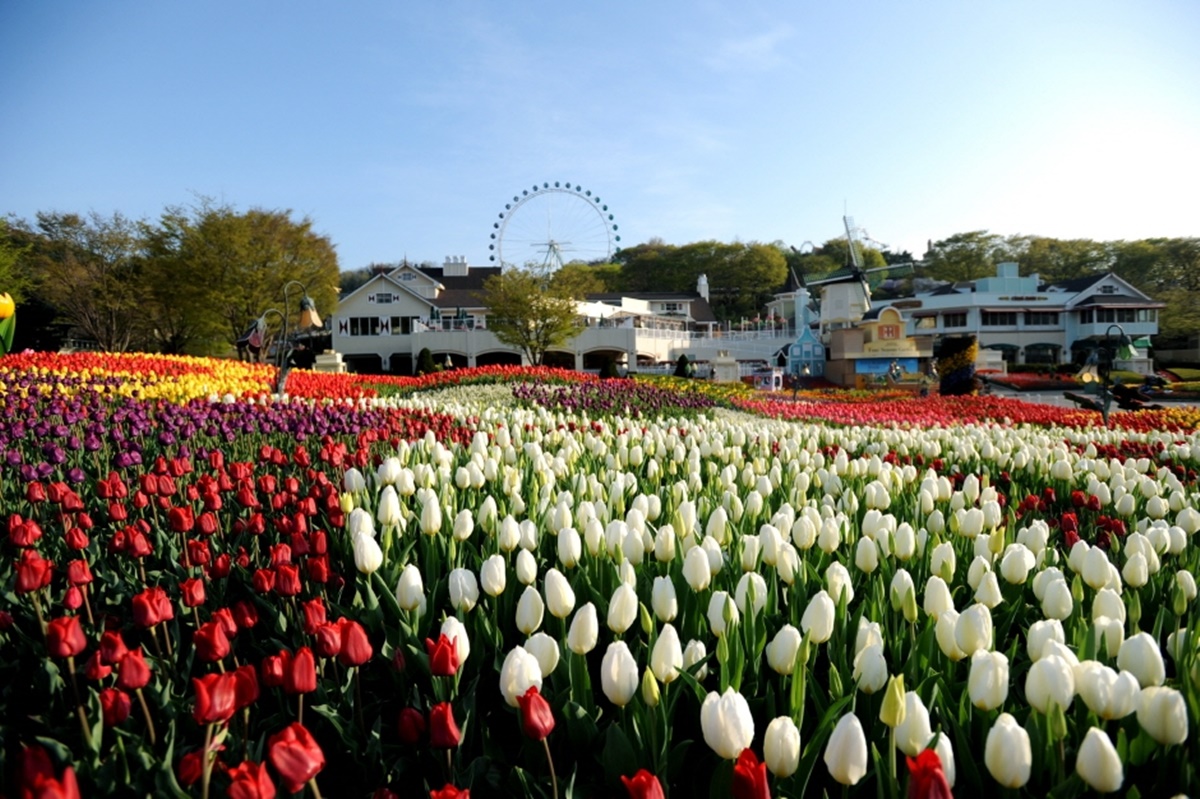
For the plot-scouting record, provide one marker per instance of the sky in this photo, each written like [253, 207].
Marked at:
[401, 130]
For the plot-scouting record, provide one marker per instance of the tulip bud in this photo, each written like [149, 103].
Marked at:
[892, 711]
[1098, 764]
[781, 747]
[846, 752]
[650, 692]
[1007, 752]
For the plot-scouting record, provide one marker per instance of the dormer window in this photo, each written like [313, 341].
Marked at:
[406, 276]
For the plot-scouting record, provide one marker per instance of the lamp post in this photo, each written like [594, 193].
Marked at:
[1113, 348]
[309, 319]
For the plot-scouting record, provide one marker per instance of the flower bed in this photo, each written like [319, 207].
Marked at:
[245, 596]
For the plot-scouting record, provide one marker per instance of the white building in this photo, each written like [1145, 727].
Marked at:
[1030, 322]
[383, 325]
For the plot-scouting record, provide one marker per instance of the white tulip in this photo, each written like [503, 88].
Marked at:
[526, 567]
[663, 599]
[817, 621]
[1162, 713]
[560, 597]
[368, 557]
[726, 723]
[1097, 762]
[493, 575]
[695, 652]
[781, 747]
[988, 680]
[720, 605]
[1139, 654]
[1106, 693]
[545, 650]
[456, 631]
[945, 631]
[464, 590]
[1051, 679]
[846, 751]
[696, 570]
[530, 609]
[870, 669]
[464, 525]
[914, 733]
[751, 581]
[782, 649]
[1007, 752]
[838, 583]
[666, 658]
[1040, 633]
[584, 630]
[519, 673]
[973, 630]
[410, 590]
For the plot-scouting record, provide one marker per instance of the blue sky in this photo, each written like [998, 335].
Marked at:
[402, 129]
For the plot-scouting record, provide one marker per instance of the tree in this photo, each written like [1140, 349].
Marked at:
[1055, 260]
[965, 256]
[91, 271]
[532, 310]
[213, 270]
[425, 364]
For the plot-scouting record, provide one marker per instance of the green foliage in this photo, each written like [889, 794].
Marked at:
[532, 310]
[966, 256]
[682, 366]
[425, 364]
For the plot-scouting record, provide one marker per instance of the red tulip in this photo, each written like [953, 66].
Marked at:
[220, 566]
[356, 647]
[198, 552]
[78, 572]
[329, 640]
[133, 672]
[22, 533]
[192, 591]
[295, 755]
[318, 569]
[181, 520]
[275, 668]
[750, 777]
[644, 785]
[33, 572]
[211, 642]
[245, 614]
[448, 791]
[443, 656]
[115, 704]
[287, 579]
[314, 614]
[301, 674]
[263, 581]
[77, 538]
[191, 768]
[96, 669]
[411, 725]
[224, 617]
[250, 780]
[245, 685]
[537, 719]
[112, 647]
[151, 607]
[74, 598]
[926, 778]
[216, 698]
[443, 730]
[64, 637]
[206, 523]
[38, 780]
[35, 493]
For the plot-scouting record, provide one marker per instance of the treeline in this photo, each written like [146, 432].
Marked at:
[189, 282]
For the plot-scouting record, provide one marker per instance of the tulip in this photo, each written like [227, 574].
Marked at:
[464, 525]
[663, 599]
[1140, 655]
[431, 516]
[973, 630]
[1098, 764]
[530, 609]
[410, 590]
[443, 656]
[726, 722]
[64, 637]
[781, 747]
[545, 649]
[749, 775]
[115, 706]
[584, 630]
[388, 511]
[493, 575]
[694, 653]
[443, 729]
[250, 780]
[1007, 753]
[643, 785]
[411, 725]
[751, 581]
[526, 567]
[666, 658]
[870, 668]
[464, 590]
[721, 612]
[781, 651]
[519, 672]
[300, 677]
[696, 569]
[622, 608]
[448, 791]
[537, 719]
[1106, 693]
[560, 597]
[817, 621]
[838, 583]
[619, 674]
[866, 555]
[988, 680]
[133, 672]
[216, 698]
[1162, 713]
[295, 755]
[570, 547]
[356, 647]
[846, 751]
[937, 597]
[1050, 679]
[368, 557]
[945, 753]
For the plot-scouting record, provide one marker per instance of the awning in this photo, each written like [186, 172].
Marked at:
[1142, 342]
[1001, 347]
[1045, 345]
[1009, 309]
[923, 314]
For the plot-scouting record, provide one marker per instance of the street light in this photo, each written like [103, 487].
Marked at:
[1098, 369]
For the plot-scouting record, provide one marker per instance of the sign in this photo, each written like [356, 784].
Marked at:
[880, 366]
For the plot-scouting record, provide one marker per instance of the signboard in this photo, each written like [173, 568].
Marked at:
[879, 366]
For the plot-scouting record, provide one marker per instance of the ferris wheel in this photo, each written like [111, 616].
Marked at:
[552, 224]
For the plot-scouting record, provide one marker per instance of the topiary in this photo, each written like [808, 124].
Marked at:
[425, 364]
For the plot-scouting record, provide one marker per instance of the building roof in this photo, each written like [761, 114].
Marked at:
[1077, 284]
[1106, 300]
[472, 280]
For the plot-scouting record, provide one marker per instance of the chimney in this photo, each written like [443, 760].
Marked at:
[455, 266]
[702, 287]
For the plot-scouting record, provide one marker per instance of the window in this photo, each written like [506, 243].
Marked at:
[384, 298]
[407, 276]
[1121, 315]
[401, 325]
[1041, 318]
[1087, 317]
[954, 320]
[1108, 289]
[925, 322]
[364, 325]
[1147, 315]
[672, 307]
[999, 318]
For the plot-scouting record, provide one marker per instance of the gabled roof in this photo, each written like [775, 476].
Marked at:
[460, 298]
[472, 280]
[1077, 284]
[376, 280]
[1105, 300]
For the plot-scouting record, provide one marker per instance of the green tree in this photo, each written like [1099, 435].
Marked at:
[90, 270]
[965, 256]
[227, 268]
[532, 310]
[14, 280]
[1055, 260]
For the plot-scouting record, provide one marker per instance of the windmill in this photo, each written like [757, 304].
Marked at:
[845, 295]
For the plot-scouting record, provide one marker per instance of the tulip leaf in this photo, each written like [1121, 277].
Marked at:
[618, 756]
[690, 679]
[1141, 748]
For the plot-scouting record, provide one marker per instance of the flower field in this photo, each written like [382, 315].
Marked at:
[516, 582]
